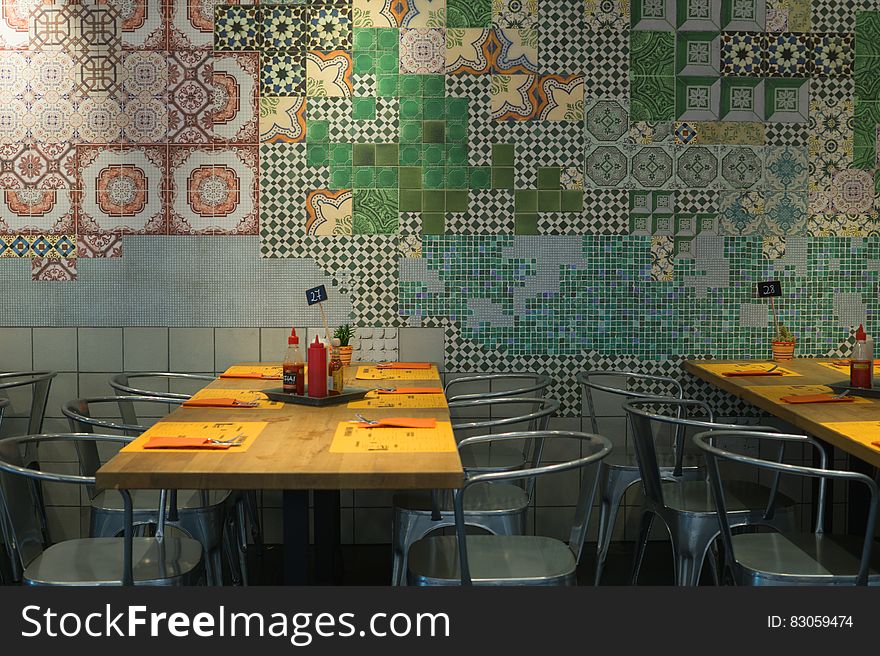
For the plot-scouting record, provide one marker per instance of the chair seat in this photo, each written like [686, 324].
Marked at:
[99, 561]
[492, 456]
[626, 459]
[493, 560]
[740, 496]
[481, 498]
[802, 558]
[149, 500]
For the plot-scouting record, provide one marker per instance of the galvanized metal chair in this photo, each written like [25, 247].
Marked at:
[779, 558]
[498, 385]
[121, 383]
[621, 471]
[685, 507]
[201, 514]
[465, 559]
[40, 383]
[244, 519]
[92, 561]
[497, 508]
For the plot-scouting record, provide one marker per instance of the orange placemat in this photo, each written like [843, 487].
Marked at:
[779, 393]
[745, 369]
[259, 371]
[221, 430]
[370, 372]
[351, 438]
[203, 399]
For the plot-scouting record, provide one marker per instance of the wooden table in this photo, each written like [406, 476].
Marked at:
[291, 454]
[809, 417]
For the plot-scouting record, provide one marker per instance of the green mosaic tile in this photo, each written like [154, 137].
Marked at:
[386, 64]
[457, 177]
[318, 132]
[525, 224]
[456, 155]
[341, 177]
[412, 86]
[340, 154]
[318, 155]
[410, 200]
[387, 178]
[387, 86]
[549, 201]
[867, 34]
[502, 177]
[652, 99]
[480, 177]
[526, 200]
[363, 109]
[434, 200]
[867, 78]
[411, 109]
[468, 13]
[364, 177]
[456, 132]
[375, 212]
[364, 63]
[434, 109]
[456, 201]
[571, 200]
[502, 155]
[364, 39]
[549, 178]
[388, 39]
[434, 132]
[652, 54]
[410, 177]
[411, 132]
[434, 86]
[433, 223]
[363, 154]
[434, 177]
[387, 154]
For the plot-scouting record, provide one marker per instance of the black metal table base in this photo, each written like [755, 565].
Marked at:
[296, 533]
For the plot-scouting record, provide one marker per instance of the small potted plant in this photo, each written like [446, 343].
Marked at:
[783, 344]
[344, 333]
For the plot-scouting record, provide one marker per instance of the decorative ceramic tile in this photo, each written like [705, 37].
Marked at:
[236, 28]
[283, 27]
[789, 55]
[282, 120]
[143, 23]
[375, 212]
[328, 73]
[469, 51]
[191, 24]
[213, 190]
[46, 166]
[468, 13]
[121, 190]
[652, 167]
[853, 192]
[233, 111]
[329, 212]
[607, 166]
[515, 13]
[282, 73]
[329, 27]
[563, 98]
[741, 167]
[373, 14]
[36, 211]
[99, 246]
[53, 269]
[697, 167]
[516, 97]
[190, 96]
[422, 51]
[420, 13]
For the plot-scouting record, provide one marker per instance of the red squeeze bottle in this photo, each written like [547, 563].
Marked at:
[861, 366]
[317, 357]
[293, 367]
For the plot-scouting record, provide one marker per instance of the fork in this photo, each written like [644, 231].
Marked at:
[773, 368]
[232, 441]
[842, 394]
[365, 420]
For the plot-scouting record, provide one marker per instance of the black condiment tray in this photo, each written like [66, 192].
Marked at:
[347, 394]
[873, 392]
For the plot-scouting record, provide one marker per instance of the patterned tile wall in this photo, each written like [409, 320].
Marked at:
[552, 183]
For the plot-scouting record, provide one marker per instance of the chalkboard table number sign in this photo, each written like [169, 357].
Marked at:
[771, 289]
[317, 295]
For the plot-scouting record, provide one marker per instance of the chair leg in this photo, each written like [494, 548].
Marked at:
[612, 495]
[687, 572]
[645, 523]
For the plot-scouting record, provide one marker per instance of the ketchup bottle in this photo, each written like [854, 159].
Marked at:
[317, 374]
[861, 366]
[293, 368]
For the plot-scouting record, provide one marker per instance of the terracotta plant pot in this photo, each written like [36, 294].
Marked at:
[783, 351]
[345, 354]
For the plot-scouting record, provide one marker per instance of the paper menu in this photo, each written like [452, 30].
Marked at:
[220, 430]
[350, 438]
[729, 367]
[374, 400]
[247, 396]
[367, 372]
[776, 392]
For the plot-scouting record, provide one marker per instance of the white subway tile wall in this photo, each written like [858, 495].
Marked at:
[86, 357]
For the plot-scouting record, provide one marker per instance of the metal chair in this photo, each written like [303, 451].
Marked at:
[121, 383]
[521, 384]
[244, 515]
[506, 559]
[786, 558]
[201, 514]
[619, 472]
[498, 508]
[685, 507]
[91, 561]
[4, 529]
[40, 383]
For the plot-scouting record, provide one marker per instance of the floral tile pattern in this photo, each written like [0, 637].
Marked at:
[422, 51]
[329, 212]
[328, 73]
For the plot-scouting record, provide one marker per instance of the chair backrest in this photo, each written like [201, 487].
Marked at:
[79, 413]
[499, 385]
[593, 447]
[600, 381]
[121, 383]
[535, 412]
[644, 412]
[41, 382]
[713, 454]
[16, 494]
